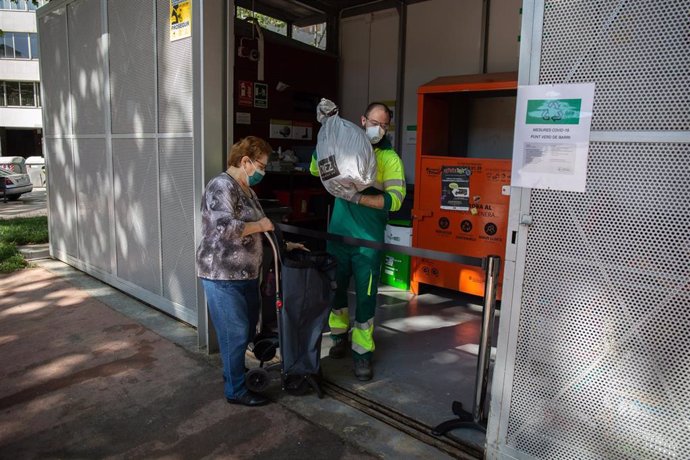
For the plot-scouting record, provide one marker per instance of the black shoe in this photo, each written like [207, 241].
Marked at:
[248, 399]
[363, 370]
[339, 349]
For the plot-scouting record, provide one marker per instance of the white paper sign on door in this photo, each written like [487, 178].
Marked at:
[552, 125]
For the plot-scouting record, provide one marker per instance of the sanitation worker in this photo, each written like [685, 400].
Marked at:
[364, 216]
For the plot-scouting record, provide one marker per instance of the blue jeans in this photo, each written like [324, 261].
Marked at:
[234, 308]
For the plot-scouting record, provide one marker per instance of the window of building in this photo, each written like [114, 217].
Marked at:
[21, 5]
[36, 4]
[27, 93]
[267, 22]
[7, 45]
[20, 94]
[13, 5]
[19, 45]
[12, 93]
[33, 42]
[314, 35]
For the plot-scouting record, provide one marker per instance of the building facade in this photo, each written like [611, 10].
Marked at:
[20, 93]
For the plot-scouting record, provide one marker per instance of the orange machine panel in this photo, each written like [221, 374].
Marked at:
[464, 140]
[468, 218]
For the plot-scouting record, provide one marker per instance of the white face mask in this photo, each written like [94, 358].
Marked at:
[375, 134]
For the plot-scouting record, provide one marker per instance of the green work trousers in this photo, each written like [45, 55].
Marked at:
[365, 265]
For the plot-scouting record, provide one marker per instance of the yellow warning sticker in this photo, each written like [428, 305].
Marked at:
[180, 19]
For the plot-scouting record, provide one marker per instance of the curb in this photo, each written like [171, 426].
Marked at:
[34, 251]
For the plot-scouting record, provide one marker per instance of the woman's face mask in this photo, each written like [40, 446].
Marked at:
[375, 134]
[256, 177]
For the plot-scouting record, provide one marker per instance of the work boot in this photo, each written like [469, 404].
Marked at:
[339, 349]
[363, 370]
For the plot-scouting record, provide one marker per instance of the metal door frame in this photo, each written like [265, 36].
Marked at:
[518, 221]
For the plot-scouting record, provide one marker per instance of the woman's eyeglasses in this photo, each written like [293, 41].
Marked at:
[263, 165]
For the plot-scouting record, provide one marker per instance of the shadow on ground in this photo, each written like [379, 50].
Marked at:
[81, 380]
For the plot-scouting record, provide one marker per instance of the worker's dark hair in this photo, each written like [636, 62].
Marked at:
[379, 105]
[251, 146]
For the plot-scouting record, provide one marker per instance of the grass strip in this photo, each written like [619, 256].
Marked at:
[10, 258]
[18, 232]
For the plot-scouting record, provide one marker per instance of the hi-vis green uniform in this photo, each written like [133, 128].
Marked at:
[350, 219]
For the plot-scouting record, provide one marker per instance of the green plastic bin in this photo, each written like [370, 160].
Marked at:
[395, 267]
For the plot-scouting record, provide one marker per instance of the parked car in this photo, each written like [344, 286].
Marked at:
[15, 184]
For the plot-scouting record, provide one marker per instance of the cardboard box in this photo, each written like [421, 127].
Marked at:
[401, 236]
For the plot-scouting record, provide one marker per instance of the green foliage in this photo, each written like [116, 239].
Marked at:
[7, 250]
[10, 259]
[20, 231]
[267, 22]
[24, 230]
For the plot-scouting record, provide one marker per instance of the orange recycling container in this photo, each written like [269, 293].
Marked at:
[465, 130]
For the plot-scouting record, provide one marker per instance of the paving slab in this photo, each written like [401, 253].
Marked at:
[81, 380]
[28, 205]
[88, 371]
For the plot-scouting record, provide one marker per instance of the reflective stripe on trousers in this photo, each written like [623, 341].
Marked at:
[339, 321]
[364, 264]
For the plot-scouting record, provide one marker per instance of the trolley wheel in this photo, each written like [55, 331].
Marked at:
[257, 380]
[296, 385]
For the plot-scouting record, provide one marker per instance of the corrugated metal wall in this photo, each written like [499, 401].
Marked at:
[118, 112]
[595, 337]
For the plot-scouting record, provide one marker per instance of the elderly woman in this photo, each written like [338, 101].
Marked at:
[229, 256]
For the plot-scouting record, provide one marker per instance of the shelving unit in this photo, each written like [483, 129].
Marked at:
[302, 193]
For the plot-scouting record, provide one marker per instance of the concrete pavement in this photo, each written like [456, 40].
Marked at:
[28, 205]
[81, 380]
[89, 372]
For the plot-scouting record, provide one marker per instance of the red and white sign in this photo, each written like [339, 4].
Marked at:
[245, 93]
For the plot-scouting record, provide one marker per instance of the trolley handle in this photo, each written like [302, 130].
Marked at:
[276, 262]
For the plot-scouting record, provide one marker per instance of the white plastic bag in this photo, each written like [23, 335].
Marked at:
[346, 160]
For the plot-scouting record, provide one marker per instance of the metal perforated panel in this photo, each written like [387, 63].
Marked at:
[594, 360]
[630, 48]
[136, 212]
[61, 196]
[56, 99]
[177, 220]
[86, 65]
[601, 369]
[101, 65]
[93, 189]
[132, 66]
[174, 77]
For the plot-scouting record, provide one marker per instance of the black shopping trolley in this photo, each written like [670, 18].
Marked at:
[304, 288]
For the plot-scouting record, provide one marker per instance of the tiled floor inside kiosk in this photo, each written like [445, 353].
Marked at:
[425, 356]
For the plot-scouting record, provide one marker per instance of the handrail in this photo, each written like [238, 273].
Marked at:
[410, 251]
